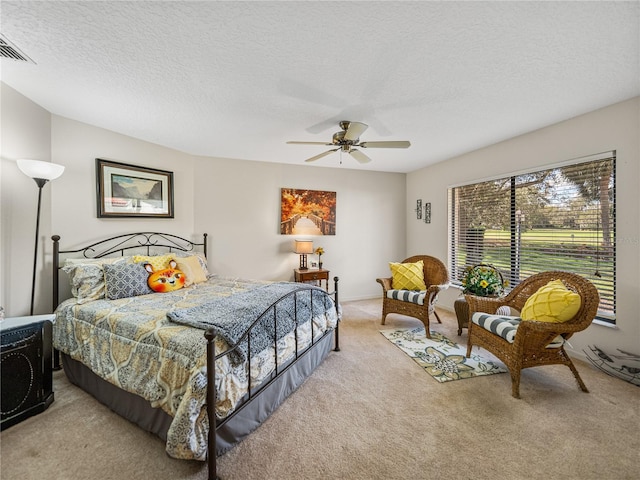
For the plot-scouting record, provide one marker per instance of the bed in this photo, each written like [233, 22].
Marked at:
[201, 366]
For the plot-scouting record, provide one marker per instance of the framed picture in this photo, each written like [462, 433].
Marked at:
[427, 212]
[307, 212]
[133, 191]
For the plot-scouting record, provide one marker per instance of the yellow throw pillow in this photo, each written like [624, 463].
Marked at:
[192, 270]
[407, 276]
[551, 303]
[158, 262]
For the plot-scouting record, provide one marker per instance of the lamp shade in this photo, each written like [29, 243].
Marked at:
[304, 246]
[38, 169]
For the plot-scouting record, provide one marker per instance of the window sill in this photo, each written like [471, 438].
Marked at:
[602, 323]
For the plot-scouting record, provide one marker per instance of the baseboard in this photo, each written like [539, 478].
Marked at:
[357, 299]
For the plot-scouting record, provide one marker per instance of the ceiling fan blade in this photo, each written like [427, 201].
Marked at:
[309, 143]
[355, 130]
[324, 124]
[391, 144]
[324, 154]
[359, 156]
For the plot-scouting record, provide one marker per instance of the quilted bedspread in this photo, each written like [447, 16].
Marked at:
[132, 344]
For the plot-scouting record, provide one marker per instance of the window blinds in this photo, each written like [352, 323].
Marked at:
[560, 218]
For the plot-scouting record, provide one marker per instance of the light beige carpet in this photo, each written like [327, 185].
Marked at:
[368, 412]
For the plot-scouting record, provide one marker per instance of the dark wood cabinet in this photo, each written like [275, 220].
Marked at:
[26, 355]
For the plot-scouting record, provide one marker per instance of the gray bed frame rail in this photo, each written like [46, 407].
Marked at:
[268, 395]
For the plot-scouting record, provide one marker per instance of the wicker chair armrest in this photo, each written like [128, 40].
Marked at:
[484, 304]
[533, 336]
[432, 293]
[385, 282]
[441, 287]
[433, 290]
[557, 328]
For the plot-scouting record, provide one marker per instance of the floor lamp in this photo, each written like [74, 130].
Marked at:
[41, 172]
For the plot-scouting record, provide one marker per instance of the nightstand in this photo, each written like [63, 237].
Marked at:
[25, 361]
[312, 275]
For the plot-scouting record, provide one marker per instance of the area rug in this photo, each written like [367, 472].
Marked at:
[441, 358]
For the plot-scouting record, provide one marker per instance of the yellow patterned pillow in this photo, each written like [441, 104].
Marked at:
[158, 262]
[552, 303]
[407, 276]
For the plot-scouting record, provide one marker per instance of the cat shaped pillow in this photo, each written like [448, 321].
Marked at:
[165, 280]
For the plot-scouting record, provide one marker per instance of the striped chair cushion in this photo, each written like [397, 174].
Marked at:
[506, 326]
[408, 296]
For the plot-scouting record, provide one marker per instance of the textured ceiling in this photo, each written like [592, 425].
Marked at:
[239, 79]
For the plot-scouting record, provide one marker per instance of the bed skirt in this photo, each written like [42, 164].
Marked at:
[230, 431]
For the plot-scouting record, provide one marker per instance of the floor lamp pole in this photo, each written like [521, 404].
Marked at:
[41, 172]
[41, 182]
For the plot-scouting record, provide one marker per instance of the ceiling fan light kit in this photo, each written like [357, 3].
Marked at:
[348, 138]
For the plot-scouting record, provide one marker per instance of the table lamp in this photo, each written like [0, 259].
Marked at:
[304, 247]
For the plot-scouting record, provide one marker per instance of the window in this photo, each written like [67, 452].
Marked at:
[561, 218]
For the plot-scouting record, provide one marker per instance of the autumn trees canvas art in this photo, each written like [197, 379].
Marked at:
[307, 212]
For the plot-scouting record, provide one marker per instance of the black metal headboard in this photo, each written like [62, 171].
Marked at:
[142, 242]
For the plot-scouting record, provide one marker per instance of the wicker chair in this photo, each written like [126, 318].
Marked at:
[529, 347]
[436, 278]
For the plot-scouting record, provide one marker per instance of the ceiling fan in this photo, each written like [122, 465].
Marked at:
[348, 138]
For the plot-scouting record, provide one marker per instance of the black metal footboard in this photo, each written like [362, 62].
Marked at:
[214, 425]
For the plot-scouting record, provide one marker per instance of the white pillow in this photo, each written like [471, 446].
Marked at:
[192, 269]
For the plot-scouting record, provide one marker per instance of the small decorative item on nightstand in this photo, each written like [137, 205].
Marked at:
[320, 251]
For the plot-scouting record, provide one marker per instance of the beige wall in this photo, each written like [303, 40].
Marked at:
[25, 132]
[615, 127]
[236, 202]
[77, 145]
